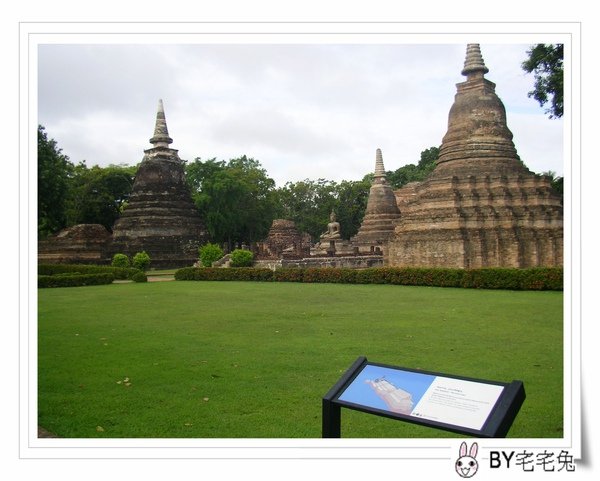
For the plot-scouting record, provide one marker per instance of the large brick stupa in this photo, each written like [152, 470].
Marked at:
[480, 207]
[160, 218]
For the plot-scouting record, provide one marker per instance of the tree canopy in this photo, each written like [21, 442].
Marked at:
[545, 61]
[556, 181]
[415, 173]
[236, 199]
[76, 194]
[54, 175]
[309, 203]
[97, 195]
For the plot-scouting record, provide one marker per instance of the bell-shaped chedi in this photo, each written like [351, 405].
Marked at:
[381, 215]
[478, 138]
[160, 218]
[480, 207]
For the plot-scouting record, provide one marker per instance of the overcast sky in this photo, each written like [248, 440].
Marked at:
[304, 111]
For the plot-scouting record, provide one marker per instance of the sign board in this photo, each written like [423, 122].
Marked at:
[469, 406]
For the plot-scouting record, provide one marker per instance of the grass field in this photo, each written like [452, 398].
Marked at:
[232, 359]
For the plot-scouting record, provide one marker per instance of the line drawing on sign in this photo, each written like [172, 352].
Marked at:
[397, 400]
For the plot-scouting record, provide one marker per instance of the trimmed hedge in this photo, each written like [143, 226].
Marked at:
[225, 274]
[73, 275]
[75, 280]
[117, 272]
[288, 275]
[543, 278]
[518, 279]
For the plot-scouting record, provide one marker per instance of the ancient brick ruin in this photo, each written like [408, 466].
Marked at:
[161, 217]
[480, 207]
[79, 244]
[284, 240]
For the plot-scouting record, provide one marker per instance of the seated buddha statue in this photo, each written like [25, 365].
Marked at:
[333, 228]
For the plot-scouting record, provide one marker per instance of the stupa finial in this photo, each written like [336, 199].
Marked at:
[379, 168]
[161, 133]
[474, 61]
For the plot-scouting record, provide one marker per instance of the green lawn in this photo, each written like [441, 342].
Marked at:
[244, 359]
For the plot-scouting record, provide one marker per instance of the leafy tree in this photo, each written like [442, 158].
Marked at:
[199, 172]
[415, 173]
[546, 63]
[237, 199]
[99, 194]
[308, 203]
[54, 172]
[555, 181]
[428, 159]
[558, 185]
[351, 203]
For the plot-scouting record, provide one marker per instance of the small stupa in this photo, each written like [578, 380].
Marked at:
[381, 215]
[284, 240]
[160, 218]
[481, 206]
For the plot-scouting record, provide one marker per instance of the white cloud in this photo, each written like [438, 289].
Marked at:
[538, 143]
[303, 111]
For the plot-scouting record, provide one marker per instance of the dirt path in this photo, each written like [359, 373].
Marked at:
[150, 279]
[160, 278]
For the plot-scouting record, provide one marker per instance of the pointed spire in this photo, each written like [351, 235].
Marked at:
[379, 168]
[161, 134]
[474, 62]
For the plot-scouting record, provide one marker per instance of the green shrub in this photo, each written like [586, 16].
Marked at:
[139, 277]
[242, 258]
[75, 280]
[141, 261]
[210, 253]
[120, 260]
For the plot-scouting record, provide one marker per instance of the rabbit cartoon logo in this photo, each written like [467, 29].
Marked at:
[466, 465]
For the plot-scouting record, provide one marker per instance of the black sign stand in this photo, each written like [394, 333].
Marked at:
[497, 424]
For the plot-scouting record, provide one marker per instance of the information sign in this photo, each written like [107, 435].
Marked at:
[468, 406]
